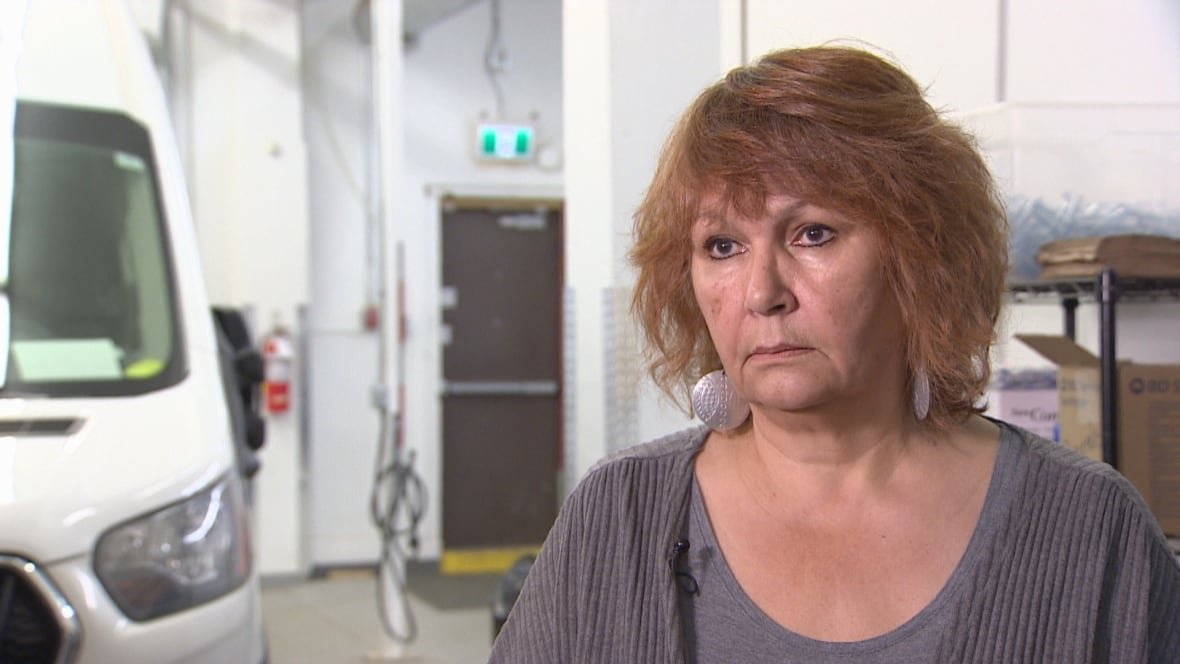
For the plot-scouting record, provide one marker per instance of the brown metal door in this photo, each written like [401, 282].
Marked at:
[501, 271]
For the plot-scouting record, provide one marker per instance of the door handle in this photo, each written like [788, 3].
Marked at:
[500, 388]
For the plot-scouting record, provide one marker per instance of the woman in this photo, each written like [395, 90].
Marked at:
[830, 254]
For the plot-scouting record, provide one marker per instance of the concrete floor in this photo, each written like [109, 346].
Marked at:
[335, 619]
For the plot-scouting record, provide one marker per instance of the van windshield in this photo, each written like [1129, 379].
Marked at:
[90, 288]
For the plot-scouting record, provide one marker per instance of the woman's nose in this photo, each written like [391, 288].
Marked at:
[767, 290]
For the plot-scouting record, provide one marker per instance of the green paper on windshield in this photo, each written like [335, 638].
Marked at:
[67, 359]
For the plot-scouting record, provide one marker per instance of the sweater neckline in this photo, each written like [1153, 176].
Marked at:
[1006, 473]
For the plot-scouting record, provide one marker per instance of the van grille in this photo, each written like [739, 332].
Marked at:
[37, 626]
[39, 427]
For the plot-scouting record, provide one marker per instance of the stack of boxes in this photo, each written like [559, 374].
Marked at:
[1066, 402]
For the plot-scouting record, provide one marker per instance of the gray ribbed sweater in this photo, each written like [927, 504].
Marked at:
[1077, 571]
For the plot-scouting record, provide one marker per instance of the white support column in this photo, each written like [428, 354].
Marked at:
[588, 242]
[624, 85]
[386, 53]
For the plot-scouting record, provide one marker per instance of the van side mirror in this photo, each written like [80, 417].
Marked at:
[249, 366]
[242, 373]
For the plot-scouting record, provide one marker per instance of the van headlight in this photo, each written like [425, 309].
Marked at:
[177, 557]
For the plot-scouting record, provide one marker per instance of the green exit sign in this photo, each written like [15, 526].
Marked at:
[505, 142]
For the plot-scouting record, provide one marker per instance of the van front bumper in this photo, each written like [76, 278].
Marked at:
[93, 630]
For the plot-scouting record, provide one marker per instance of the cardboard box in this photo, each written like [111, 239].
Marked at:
[1026, 398]
[1148, 419]
[1079, 392]
[1149, 436]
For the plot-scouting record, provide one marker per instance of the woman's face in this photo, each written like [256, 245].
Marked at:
[797, 306]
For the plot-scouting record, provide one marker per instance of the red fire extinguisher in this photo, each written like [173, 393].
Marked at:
[278, 356]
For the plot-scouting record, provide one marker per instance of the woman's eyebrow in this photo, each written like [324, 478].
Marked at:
[714, 218]
[790, 212]
[710, 219]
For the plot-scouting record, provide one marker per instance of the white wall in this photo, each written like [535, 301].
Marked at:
[343, 354]
[447, 91]
[236, 91]
[1094, 51]
[953, 47]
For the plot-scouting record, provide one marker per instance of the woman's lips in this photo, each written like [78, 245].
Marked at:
[778, 350]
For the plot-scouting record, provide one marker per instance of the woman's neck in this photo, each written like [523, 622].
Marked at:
[823, 468]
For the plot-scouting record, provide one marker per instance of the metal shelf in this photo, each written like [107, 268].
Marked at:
[1106, 289]
[1089, 288]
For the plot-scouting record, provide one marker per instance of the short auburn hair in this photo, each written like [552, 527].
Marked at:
[845, 130]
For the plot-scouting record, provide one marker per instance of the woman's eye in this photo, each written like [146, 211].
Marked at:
[814, 236]
[720, 247]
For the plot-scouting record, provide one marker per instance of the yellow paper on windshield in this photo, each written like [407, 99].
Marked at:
[67, 359]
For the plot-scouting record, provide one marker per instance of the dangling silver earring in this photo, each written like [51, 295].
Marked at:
[921, 394]
[717, 403]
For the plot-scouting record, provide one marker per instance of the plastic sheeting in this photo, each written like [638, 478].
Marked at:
[1035, 221]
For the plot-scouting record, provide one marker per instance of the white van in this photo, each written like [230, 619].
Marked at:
[125, 529]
